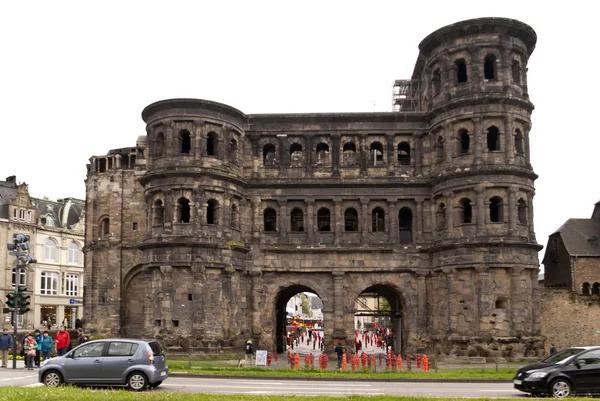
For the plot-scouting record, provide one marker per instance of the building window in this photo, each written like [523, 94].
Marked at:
[464, 142]
[405, 225]
[501, 303]
[378, 220]
[185, 142]
[211, 211]
[461, 71]
[49, 284]
[349, 154]
[436, 81]
[72, 285]
[324, 220]
[439, 149]
[403, 154]
[104, 227]
[596, 289]
[234, 218]
[269, 158]
[233, 145]
[158, 212]
[183, 210]
[50, 250]
[522, 211]
[519, 142]
[270, 220]
[159, 145]
[296, 155]
[297, 220]
[493, 138]
[376, 154]
[466, 211]
[489, 67]
[211, 144]
[586, 289]
[350, 220]
[73, 253]
[21, 277]
[516, 72]
[441, 216]
[322, 153]
[496, 210]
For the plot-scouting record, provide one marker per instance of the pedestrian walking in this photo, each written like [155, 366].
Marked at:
[6, 345]
[552, 349]
[339, 350]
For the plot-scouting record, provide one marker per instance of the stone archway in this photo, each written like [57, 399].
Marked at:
[134, 305]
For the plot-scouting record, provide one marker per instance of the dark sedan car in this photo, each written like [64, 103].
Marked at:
[573, 370]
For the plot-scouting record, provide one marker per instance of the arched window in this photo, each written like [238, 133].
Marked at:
[74, 253]
[158, 213]
[378, 220]
[489, 67]
[50, 250]
[234, 217]
[296, 155]
[350, 220]
[519, 142]
[296, 147]
[324, 219]
[105, 227]
[212, 209]
[493, 138]
[461, 71]
[233, 146]
[496, 210]
[464, 141]
[466, 211]
[439, 149]
[405, 225]
[270, 220]
[377, 154]
[596, 289]
[183, 210]
[185, 141]
[516, 72]
[349, 152]
[522, 211]
[436, 81]
[440, 216]
[159, 145]
[404, 153]
[322, 153]
[269, 155]
[297, 220]
[586, 289]
[211, 144]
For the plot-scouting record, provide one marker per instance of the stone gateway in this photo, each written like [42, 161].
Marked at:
[201, 233]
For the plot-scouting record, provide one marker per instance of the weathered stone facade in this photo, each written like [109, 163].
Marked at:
[203, 231]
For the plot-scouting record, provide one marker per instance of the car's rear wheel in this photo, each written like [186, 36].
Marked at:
[137, 381]
[52, 378]
[156, 384]
[560, 388]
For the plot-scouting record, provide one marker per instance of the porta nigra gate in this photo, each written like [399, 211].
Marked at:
[200, 233]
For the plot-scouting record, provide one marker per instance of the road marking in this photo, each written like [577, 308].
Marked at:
[33, 385]
[17, 378]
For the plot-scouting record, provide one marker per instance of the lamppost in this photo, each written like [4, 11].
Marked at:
[18, 300]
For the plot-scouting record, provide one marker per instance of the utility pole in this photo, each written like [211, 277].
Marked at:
[18, 300]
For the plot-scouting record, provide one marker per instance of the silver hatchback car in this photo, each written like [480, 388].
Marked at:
[137, 364]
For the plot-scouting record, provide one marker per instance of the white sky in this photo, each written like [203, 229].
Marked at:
[75, 76]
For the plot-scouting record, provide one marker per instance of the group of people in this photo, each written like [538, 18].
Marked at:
[37, 346]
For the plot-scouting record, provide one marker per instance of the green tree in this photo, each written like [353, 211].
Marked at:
[306, 305]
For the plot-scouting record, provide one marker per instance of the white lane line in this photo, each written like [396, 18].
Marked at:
[244, 387]
[252, 383]
[17, 378]
[34, 385]
[492, 391]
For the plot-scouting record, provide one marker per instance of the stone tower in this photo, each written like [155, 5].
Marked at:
[201, 233]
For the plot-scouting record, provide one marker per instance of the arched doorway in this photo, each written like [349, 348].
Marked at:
[378, 312]
[298, 309]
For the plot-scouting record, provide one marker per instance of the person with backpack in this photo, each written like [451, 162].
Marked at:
[339, 350]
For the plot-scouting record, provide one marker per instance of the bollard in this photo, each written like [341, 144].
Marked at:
[388, 363]
[297, 361]
[344, 359]
[326, 361]
[269, 359]
[408, 363]
[353, 362]
[306, 361]
[419, 361]
[290, 358]
[380, 357]
[425, 363]
[372, 364]
[311, 360]
[275, 355]
[363, 359]
[399, 362]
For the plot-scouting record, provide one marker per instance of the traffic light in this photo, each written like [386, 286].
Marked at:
[20, 243]
[10, 300]
[23, 301]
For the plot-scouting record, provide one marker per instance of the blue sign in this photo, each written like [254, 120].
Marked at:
[75, 301]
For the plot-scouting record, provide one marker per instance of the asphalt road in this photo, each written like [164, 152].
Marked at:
[21, 377]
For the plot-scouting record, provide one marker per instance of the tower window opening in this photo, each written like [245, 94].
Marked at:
[233, 145]
[519, 142]
[101, 165]
[378, 220]
[467, 211]
[211, 144]
[439, 149]
[461, 71]
[270, 220]
[234, 217]
[159, 145]
[496, 210]
[441, 216]
[464, 141]
[376, 154]
[324, 220]
[489, 67]
[349, 152]
[186, 142]
[493, 138]
[297, 220]
[405, 225]
[404, 154]
[159, 213]
[211, 211]
[269, 158]
[183, 210]
[522, 211]
[350, 220]
[516, 72]
[105, 227]
[586, 289]
[596, 289]
[322, 153]
[296, 155]
[436, 81]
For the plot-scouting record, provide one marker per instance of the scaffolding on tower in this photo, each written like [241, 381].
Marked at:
[406, 95]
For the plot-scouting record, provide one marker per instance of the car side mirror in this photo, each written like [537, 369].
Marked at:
[579, 363]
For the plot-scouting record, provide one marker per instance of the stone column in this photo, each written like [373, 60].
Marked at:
[527, 148]
[169, 139]
[512, 210]
[536, 304]
[225, 216]
[169, 212]
[448, 144]
[283, 156]
[449, 213]
[432, 210]
[480, 191]
[478, 136]
[167, 292]
[419, 201]
[418, 136]
[338, 220]
[118, 162]
[392, 226]
[339, 330]
[364, 221]
[308, 139]
[335, 153]
[530, 216]
[506, 70]
[476, 78]
[310, 220]
[256, 217]
[256, 154]
[196, 206]
[390, 156]
[197, 140]
[444, 76]
[422, 302]
[452, 292]
[483, 294]
[257, 309]
[363, 154]
[518, 309]
[509, 140]
[283, 220]
[199, 277]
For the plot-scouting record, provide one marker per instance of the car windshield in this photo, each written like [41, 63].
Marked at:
[561, 356]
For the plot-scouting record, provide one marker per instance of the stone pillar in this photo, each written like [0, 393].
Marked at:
[308, 139]
[169, 212]
[283, 156]
[338, 220]
[283, 220]
[118, 162]
[518, 309]
[196, 207]
[197, 140]
[339, 331]
[527, 148]
[422, 303]
[169, 137]
[478, 136]
[310, 220]
[199, 277]
[483, 295]
[449, 213]
[257, 309]
[452, 293]
[506, 70]
[335, 153]
[364, 221]
[480, 191]
[256, 217]
[167, 294]
[433, 211]
[530, 216]
[390, 156]
[448, 144]
[509, 140]
[536, 305]
[419, 216]
[418, 136]
[512, 210]
[476, 78]
[392, 226]
[363, 154]
[225, 216]
[256, 154]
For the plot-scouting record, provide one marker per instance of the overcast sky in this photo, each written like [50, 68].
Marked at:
[75, 76]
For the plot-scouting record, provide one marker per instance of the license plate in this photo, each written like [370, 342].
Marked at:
[518, 382]
[165, 373]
